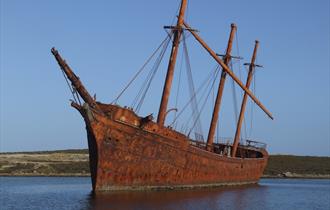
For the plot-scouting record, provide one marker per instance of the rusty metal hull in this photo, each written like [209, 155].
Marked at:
[124, 156]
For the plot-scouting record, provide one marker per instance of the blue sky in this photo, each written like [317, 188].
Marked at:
[106, 42]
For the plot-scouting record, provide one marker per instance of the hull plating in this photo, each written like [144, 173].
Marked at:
[127, 157]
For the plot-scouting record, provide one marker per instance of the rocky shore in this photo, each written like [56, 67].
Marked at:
[76, 163]
[289, 175]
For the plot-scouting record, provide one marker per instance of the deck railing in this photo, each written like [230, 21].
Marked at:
[255, 144]
[228, 141]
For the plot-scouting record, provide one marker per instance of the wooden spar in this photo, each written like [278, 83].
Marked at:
[227, 69]
[75, 80]
[241, 114]
[217, 104]
[171, 65]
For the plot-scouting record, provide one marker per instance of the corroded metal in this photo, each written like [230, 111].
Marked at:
[217, 103]
[171, 65]
[241, 114]
[74, 79]
[128, 152]
[154, 157]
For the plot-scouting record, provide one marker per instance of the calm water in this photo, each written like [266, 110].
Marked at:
[74, 193]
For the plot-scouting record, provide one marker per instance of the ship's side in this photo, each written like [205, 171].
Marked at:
[132, 153]
[128, 152]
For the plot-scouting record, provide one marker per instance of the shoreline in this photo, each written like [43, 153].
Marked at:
[75, 163]
[296, 176]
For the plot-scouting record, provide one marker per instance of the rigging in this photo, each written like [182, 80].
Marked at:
[167, 38]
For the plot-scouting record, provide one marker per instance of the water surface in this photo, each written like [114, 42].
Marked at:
[75, 193]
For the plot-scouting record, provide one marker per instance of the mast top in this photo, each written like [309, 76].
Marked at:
[171, 65]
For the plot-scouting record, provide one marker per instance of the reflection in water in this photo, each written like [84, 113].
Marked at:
[210, 198]
[48, 193]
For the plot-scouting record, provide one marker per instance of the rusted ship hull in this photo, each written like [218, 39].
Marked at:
[129, 152]
[126, 156]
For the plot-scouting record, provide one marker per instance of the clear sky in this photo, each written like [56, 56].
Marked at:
[106, 42]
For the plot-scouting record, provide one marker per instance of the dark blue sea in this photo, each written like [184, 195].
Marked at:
[75, 193]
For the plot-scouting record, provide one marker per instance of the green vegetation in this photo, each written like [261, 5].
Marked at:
[279, 164]
[45, 163]
[80, 167]
[67, 151]
[19, 167]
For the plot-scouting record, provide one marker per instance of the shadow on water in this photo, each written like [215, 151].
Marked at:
[210, 198]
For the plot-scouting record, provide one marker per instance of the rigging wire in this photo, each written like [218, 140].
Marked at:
[175, 14]
[206, 98]
[194, 105]
[72, 89]
[178, 87]
[169, 36]
[213, 102]
[234, 96]
[187, 12]
[252, 105]
[180, 72]
[244, 119]
[201, 87]
[146, 85]
[203, 94]
[233, 83]
[252, 102]
[239, 60]
[242, 92]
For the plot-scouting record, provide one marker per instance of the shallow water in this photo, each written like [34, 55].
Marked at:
[74, 193]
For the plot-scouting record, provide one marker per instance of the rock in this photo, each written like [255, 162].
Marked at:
[287, 174]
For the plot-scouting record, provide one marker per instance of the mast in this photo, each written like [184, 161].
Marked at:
[217, 104]
[171, 65]
[241, 114]
[75, 81]
[227, 69]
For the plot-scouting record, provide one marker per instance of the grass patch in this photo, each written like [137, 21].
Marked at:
[278, 164]
[18, 168]
[68, 151]
[74, 167]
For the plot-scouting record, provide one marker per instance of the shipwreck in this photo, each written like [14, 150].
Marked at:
[130, 152]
